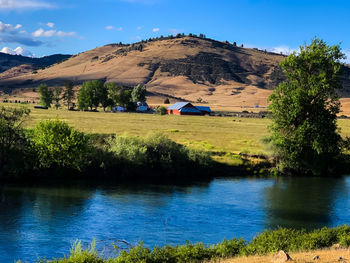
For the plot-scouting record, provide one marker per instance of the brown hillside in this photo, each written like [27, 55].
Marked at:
[225, 76]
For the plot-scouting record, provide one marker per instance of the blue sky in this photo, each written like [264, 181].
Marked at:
[47, 27]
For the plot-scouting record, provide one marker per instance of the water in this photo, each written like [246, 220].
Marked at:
[45, 221]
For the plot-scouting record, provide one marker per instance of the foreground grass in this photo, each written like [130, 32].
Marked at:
[264, 244]
[325, 256]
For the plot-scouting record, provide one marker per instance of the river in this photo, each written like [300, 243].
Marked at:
[39, 221]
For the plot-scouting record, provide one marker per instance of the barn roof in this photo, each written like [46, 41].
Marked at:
[178, 105]
[204, 108]
[190, 110]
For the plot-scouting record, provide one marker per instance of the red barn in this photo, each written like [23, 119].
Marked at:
[185, 108]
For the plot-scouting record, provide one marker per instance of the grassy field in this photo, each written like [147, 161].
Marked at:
[216, 134]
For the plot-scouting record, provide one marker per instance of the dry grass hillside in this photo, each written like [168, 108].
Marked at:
[185, 68]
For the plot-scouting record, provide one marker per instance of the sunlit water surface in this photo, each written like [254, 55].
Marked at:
[38, 222]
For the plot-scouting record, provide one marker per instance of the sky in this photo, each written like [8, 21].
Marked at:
[46, 27]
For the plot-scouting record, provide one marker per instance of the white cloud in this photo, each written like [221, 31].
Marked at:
[66, 34]
[8, 27]
[24, 4]
[155, 29]
[285, 50]
[50, 24]
[139, 27]
[17, 51]
[112, 28]
[50, 33]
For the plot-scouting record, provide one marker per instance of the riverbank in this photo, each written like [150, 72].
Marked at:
[266, 243]
[328, 255]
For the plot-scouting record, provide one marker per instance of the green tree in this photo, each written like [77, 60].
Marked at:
[124, 97]
[305, 137]
[57, 97]
[15, 148]
[113, 92]
[139, 93]
[68, 94]
[59, 145]
[85, 96]
[46, 95]
[102, 93]
[98, 92]
[90, 94]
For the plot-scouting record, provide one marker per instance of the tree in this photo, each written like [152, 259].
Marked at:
[113, 92]
[90, 94]
[125, 97]
[46, 95]
[68, 94]
[139, 93]
[305, 137]
[13, 142]
[85, 97]
[57, 97]
[97, 90]
[102, 93]
[59, 145]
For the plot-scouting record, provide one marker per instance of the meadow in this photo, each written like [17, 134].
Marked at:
[216, 134]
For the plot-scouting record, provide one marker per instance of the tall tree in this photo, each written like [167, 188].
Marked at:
[13, 141]
[97, 89]
[57, 97]
[85, 96]
[305, 137]
[102, 93]
[113, 92]
[46, 95]
[139, 93]
[68, 94]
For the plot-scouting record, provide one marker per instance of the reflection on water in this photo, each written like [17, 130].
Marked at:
[45, 221]
[303, 202]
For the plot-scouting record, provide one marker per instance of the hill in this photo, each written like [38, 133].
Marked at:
[189, 68]
[14, 65]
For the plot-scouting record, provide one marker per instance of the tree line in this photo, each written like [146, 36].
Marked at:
[92, 95]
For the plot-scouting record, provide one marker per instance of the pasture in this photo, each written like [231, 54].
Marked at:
[220, 135]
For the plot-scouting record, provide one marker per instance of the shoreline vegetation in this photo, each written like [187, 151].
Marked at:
[53, 149]
[265, 243]
[49, 148]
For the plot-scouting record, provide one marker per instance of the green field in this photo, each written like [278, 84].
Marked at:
[217, 134]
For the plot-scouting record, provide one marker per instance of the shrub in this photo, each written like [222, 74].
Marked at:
[161, 110]
[59, 145]
[16, 153]
[167, 101]
[156, 151]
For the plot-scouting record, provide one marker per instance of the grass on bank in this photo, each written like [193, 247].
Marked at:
[265, 243]
[324, 256]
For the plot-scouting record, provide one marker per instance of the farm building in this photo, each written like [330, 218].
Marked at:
[186, 108]
[142, 107]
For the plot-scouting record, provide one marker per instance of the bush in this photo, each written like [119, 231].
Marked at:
[156, 151]
[269, 241]
[167, 101]
[161, 110]
[16, 153]
[59, 145]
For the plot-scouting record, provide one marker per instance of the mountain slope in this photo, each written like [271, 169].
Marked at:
[8, 61]
[190, 68]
